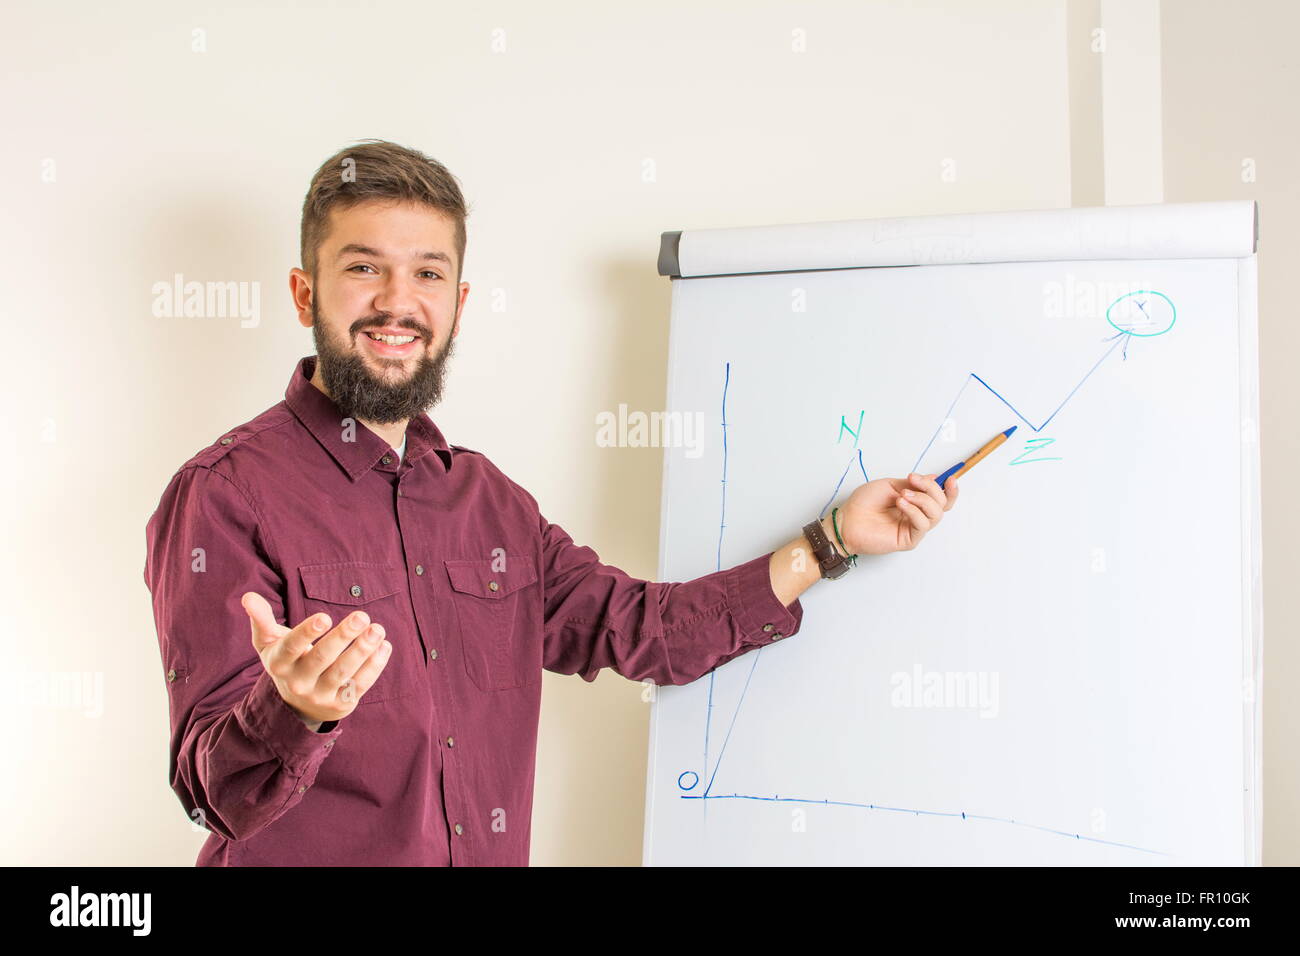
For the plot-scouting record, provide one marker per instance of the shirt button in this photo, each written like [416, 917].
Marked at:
[433, 654]
[387, 459]
[419, 569]
[171, 676]
[451, 741]
[302, 789]
[767, 627]
[459, 829]
[492, 585]
[777, 636]
[355, 590]
[228, 439]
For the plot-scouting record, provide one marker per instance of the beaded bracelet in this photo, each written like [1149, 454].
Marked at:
[853, 558]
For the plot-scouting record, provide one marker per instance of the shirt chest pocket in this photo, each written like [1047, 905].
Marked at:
[340, 588]
[499, 611]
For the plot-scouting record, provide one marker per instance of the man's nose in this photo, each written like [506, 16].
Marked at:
[397, 298]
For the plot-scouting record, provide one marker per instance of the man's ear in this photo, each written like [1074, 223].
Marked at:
[300, 290]
[460, 308]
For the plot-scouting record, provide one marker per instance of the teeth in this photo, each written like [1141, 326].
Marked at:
[392, 339]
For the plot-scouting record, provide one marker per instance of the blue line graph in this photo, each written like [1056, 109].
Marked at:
[1121, 338]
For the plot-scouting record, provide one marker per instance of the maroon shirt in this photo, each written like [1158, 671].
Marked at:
[435, 765]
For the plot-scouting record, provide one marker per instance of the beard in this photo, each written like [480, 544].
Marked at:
[364, 396]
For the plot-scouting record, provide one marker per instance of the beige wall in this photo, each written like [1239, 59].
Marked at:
[580, 131]
[1230, 87]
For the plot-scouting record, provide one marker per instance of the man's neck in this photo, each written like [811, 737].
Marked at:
[394, 432]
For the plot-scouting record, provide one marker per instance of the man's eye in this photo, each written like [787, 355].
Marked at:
[362, 265]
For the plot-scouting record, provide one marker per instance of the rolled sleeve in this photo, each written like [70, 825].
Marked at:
[762, 616]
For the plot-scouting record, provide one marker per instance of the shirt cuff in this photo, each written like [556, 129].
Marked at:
[268, 718]
[762, 617]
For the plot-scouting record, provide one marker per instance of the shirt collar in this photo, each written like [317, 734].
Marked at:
[364, 449]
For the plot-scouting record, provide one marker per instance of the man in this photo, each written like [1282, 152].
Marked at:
[403, 594]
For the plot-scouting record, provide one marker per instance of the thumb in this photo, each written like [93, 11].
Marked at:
[265, 628]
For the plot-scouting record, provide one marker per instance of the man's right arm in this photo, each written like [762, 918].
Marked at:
[240, 756]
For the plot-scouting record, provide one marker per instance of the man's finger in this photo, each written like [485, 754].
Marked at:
[931, 487]
[346, 666]
[266, 629]
[920, 522]
[926, 502]
[311, 661]
[334, 647]
[294, 643]
[950, 488]
[369, 672]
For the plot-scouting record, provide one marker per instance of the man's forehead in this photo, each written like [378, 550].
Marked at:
[392, 229]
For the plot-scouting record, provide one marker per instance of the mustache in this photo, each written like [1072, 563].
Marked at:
[369, 325]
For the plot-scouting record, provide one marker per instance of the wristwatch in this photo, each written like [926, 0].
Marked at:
[833, 564]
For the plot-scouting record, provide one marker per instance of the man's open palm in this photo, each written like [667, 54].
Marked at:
[321, 677]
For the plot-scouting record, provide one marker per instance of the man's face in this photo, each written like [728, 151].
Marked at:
[384, 269]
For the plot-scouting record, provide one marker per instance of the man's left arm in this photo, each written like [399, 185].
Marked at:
[597, 616]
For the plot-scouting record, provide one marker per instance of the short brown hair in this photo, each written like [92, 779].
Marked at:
[377, 169]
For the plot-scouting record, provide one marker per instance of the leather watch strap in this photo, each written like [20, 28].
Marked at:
[833, 564]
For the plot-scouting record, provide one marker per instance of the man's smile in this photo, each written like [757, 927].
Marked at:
[388, 343]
